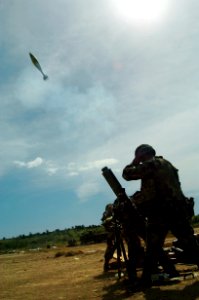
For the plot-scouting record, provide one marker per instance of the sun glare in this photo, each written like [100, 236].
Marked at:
[141, 11]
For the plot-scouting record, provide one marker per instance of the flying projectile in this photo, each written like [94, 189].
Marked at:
[37, 65]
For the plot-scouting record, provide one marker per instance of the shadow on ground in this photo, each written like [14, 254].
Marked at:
[119, 290]
[190, 292]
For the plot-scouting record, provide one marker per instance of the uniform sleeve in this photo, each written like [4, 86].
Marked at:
[104, 215]
[139, 171]
[131, 172]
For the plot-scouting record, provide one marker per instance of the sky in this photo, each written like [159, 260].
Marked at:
[120, 75]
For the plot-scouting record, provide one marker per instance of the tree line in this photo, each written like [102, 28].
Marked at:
[76, 235]
[73, 236]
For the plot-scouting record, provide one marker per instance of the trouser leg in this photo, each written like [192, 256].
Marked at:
[153, 247]
[134, 247]
[110, 249]
[155, 237]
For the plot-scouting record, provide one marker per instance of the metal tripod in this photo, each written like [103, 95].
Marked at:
[120, 248]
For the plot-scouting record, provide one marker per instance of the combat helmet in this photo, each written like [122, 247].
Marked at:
[144, 149]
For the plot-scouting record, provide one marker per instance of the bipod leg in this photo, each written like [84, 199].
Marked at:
[125, 259]
[119, 252]
[123, 250]
[119, 268]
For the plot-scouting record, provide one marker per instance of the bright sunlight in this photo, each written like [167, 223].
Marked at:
[141, 11]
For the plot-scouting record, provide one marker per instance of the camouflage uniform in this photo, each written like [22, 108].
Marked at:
[162, 201]
[107, 222]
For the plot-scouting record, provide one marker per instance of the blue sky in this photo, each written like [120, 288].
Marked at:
[115, 81]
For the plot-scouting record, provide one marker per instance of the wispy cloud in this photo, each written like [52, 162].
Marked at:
[88, 190]
[74, 168]
[37, 162]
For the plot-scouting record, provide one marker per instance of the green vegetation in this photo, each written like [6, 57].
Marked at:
[46, 240]
[195, 221]
[68, 237]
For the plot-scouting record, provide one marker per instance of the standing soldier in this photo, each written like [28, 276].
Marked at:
[107, 222]
[163, 203]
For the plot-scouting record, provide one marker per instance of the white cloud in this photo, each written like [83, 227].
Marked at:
[87, 190]
[51, 168]
[71, 174]
[91, 165]
[37, 162]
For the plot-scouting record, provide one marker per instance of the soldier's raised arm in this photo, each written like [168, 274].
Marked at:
[130, 172]
[136, 169]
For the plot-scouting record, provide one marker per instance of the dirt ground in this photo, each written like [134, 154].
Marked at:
[77, 273]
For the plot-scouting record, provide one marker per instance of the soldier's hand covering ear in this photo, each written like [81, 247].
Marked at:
[136, 161]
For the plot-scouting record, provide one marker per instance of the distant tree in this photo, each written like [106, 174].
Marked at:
[195, 220]
[79, 227]
[72, 242]
[22, 236]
